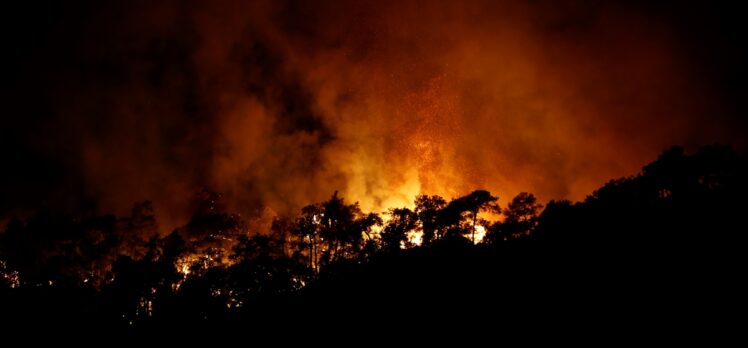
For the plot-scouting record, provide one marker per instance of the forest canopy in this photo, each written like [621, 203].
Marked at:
[679, 215]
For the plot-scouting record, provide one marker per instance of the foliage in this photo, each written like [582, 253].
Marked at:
[682, 211]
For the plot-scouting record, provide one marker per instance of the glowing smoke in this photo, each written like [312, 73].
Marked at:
[279, 104]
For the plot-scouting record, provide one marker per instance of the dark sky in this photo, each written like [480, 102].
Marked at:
[279, 103]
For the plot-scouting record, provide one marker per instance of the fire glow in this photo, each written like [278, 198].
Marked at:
[378, 100]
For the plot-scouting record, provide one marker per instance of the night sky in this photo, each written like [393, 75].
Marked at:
[277, 104]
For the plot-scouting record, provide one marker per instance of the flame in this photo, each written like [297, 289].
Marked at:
[379, 100]
[415, 238]
[480, 233]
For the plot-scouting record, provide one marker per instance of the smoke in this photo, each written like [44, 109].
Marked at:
[278, 104]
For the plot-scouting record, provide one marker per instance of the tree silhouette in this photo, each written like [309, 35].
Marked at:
[138, 284]
[395, 232]
[261, 268]
[521, 216]
[344, 226]
[460, 216]
[427, 210]
[676, 222]
[363, 227]
[281, 230]
[308, 227]
[477, 201]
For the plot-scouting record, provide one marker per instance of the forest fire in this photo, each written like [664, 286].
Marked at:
[389, 101]
[197, 161]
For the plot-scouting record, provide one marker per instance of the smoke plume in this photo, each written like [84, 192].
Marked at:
[277, 104]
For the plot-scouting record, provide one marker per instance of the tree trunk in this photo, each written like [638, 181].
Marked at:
[311, 253]
[475, 218]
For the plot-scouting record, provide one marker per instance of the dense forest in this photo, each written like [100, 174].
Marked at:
[667, 242]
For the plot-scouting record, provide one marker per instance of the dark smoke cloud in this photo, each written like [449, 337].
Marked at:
[278, 104]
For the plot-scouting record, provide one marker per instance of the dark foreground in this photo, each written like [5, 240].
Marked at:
[660, 253]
